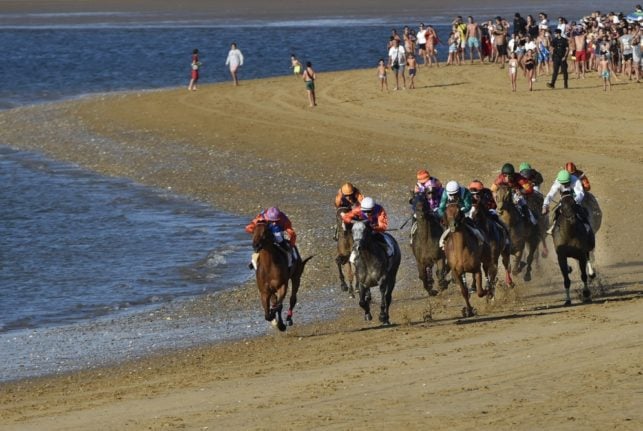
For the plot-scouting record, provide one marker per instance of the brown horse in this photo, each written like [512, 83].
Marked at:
[535, 204]
[425, 242]
[344, 247]
[572, 239]
[499, 244]
[464, 254]
[521, 231]
[273, 275]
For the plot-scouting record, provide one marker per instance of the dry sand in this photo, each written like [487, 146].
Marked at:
[524, 362]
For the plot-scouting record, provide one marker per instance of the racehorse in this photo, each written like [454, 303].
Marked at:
[522, 232]
[498, 240]
[273, 274]
[344, 247]
[425, 242]
[464, 254]
[573, 239]
[374, 267]
[535, 204]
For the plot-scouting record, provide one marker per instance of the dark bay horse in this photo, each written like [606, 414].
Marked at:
[498, 241]
[273, 275]
[344, 248]
[465, 255]
[522, 232]
[425, 242]
[572, 240]
[373, 267]
[535, 204]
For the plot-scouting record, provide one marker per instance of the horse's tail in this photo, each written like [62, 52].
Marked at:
[305, 261]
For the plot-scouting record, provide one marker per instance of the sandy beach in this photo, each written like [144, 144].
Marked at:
[524, 362]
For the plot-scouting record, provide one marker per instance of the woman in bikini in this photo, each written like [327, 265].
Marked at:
[513, 70]
[530, 67]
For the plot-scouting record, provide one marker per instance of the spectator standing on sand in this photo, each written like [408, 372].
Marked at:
[580, 44]
[605, 71]
[397, 61]
[381, 74]
[194, 66]
[421, 43]
[500, 37]
[432, 41]
[473, 38]
[412, 63]
[309, 78]
[235, 61]
[513, 70]
[560, 49]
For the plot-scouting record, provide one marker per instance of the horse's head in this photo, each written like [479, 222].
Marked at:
[361, 231]
[503, 198]
[421, 206]
[453, 216]
[567, 206]
[261, 236]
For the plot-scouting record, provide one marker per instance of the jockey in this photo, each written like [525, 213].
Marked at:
[278, 223]
[456, 193]
[531, 174]
[376, 217]
[572, 169]
[348, 196]
[430, 186]
[521, 185]
[566, 183]
[370, 212]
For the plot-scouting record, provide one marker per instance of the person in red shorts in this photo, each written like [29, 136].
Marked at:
[194, 77]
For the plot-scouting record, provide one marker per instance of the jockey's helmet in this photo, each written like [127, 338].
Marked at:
[570, 167]
[347, 189]
[564, 177]
[508, 169]
[273, 214]
[524, 166]
[367, 204]
[423, 176]
[452, 187]
[476, 186]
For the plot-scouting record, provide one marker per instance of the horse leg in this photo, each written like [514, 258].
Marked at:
[351, 276]
[506, 262]
[385, 292]
[278, 306]
[467, 311]
[564, 269]
[479, 289]
[533, 247]
[442, 271]
[426, 275]
[340, 261]
[519, 264]
[296, 281]
[590, 266]
[587, 294]
[265, 303]
[364, 302]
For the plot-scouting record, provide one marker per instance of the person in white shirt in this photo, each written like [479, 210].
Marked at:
[397, 61]
[234, 60]
[421, 41]
[565, 183]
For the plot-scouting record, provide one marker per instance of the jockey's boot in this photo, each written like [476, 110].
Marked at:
[414, 227]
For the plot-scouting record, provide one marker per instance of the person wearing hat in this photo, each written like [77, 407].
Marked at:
[367, 210]
[522, 186]
[483, 197]
[278, 223]
[566, 183]
[348, 196]
[573, 170]
[560, 50]
[456, 193]
[430, 186]
[531, 174]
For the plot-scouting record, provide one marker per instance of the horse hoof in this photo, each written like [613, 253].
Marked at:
[383, 319]
[433, 292]
[274, 322]
[344, 288]
[281, 326]
[511, 285]
[368, 317]
[569, 270]
[289, 321]
[568, 303]
[527, 276]
[544, 254]
[468, 312]
[592, 275]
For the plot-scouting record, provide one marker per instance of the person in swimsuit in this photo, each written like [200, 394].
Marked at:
[309, 79]
[473, 35]
[412, 64]
[381, 73]
[234, 61]
[530, 67]
[513, 70]
[604, 69]
[295, 64]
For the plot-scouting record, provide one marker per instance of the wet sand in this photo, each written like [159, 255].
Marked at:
[523, 362]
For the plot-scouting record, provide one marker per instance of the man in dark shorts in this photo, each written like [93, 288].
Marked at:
[560, 50]
[500, 40]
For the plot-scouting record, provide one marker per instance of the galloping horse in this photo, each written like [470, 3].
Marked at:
[499, 243]
[464, 254]
[425, 242]
[521, 231]
[344, 247]
[374, 267]
[535, 204]
[572, 239]
[273, 275]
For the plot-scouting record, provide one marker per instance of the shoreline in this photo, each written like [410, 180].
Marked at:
[227, 146]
